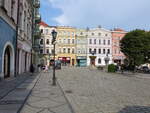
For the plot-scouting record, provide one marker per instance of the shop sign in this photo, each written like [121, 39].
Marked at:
[81, 57]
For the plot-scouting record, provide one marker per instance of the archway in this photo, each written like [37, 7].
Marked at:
[8, 60]
[92, 60]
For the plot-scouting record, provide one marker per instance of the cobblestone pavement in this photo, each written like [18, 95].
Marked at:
[46, 98]
[93, 91]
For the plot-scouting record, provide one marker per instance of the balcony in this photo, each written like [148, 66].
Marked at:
[37, 33]
[36, 45]
[37, 4]
[37, 18]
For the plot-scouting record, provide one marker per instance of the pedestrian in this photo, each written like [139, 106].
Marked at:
[32, 68]
[46, 68]
[122, 68]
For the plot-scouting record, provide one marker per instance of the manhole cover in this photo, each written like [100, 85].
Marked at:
[6, 102]
[68, 91]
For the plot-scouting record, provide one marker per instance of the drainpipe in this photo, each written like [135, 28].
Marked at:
[17, 27]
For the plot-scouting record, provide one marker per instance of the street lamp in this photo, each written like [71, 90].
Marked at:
[54, 35]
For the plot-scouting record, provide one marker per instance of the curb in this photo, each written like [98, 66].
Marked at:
[72, 109]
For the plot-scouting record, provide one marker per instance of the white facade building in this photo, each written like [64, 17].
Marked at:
[46, 46]
[24, 36]
[99, 43]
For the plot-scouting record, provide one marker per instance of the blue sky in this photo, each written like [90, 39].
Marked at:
[126, 14]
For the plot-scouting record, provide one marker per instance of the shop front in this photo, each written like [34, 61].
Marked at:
[81, 61]
[65, 61]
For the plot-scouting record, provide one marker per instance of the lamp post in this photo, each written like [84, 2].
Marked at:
[107, 60]
[54, 35]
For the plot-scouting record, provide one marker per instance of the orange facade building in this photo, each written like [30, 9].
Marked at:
[117, 35]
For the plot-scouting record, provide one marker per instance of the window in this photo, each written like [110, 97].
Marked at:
[72, 50]
[41, 51]
[90, 50]
[47, 41]
[68, 33]
[72, 33]
[95, 51]
[73, 41]
[79, 52]
[99, 34]
[81, 33]
[59, 50]
[104, 42]
[99, 51]
[106, 34]
[68, 41]
[46, 31]
[99, 41]
[92, 34]
[41, 30]
[104, 51]
[52, 51]
[90, 41]
[64, 50]
[64, 41]
[68, 50]
[94, 41]
[108, 42]
[64, 33]
[99, 61]
[108, 51]
[47, 51]
[41, 41]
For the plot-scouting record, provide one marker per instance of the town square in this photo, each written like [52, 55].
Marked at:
[74, 56]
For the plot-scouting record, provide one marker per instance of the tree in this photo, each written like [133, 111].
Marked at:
[136, 46]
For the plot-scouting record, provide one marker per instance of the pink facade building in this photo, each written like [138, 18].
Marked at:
[117, 35]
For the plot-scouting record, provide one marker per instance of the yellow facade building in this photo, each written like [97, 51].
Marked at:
[66, 45]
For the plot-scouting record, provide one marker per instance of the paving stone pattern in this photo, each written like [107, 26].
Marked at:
[93, 91]
[46, 98]
[14, 92]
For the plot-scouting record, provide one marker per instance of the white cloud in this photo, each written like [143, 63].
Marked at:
[108, 13]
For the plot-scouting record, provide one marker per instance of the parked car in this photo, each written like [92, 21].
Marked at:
[57, 64]
[144, 69]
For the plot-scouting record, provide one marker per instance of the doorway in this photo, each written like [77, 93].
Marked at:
[7, 61]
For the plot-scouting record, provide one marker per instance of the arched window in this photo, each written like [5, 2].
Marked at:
[47, 41]
[99, 61]
[41, 41]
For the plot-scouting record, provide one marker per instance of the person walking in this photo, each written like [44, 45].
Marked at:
[32, 68]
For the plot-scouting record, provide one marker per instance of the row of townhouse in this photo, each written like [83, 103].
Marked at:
[16, 35]
[81, 47]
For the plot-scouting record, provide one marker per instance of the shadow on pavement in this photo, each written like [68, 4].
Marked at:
[135, 109]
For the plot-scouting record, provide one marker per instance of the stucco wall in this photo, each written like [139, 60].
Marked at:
[7, 34]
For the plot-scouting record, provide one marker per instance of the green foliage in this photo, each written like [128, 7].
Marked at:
[111, 68]
[136, 46]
